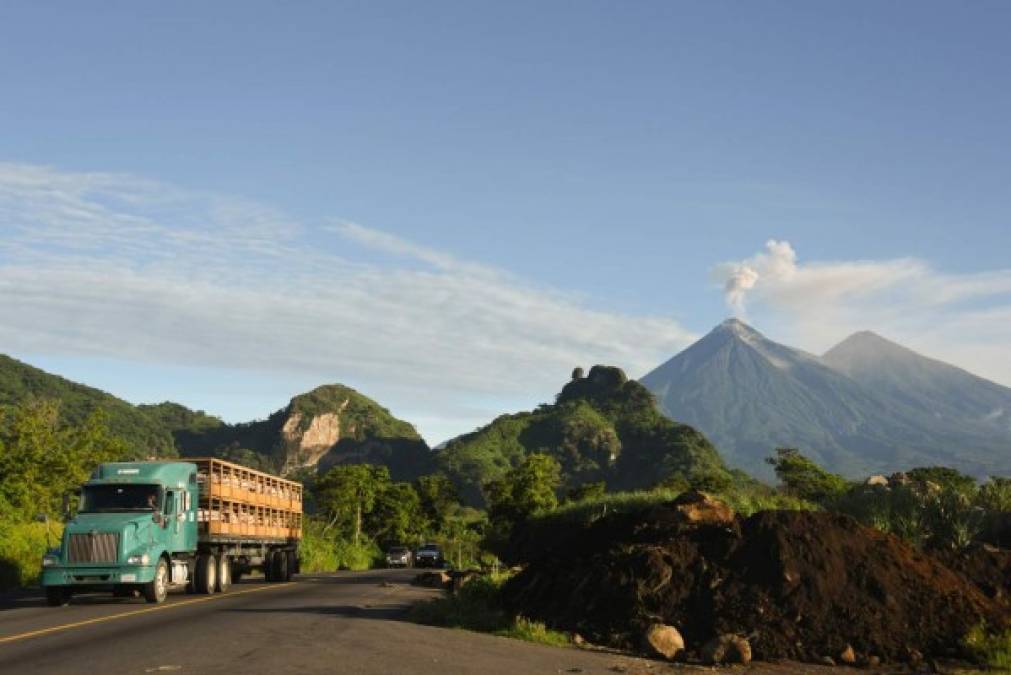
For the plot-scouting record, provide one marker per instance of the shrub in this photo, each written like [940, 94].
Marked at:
[992, 649]
[22, 546]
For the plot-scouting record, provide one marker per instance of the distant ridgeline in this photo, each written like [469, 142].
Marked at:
[145, 435]
[602, 427]
[328, 426]
[325, 427]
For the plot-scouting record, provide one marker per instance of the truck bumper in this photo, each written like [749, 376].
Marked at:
[97, 576]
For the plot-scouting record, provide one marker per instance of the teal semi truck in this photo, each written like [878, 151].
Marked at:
[200, 524]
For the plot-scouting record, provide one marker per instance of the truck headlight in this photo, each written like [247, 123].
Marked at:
[50, 560]
[138, 559]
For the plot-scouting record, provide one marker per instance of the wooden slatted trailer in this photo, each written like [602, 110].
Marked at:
[252, 517]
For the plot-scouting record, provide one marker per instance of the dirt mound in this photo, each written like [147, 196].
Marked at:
[986, 566]
[800, 585]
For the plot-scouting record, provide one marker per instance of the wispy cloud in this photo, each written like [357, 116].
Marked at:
[962, 318]
[116, 266]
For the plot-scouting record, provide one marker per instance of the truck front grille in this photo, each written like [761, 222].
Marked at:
[94, 547]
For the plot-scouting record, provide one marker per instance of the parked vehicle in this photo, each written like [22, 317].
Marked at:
[429, 555]
[153, 526]
[399, 556]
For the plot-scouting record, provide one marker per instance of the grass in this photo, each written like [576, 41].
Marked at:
[586, 511]
[993, 650]
[477, 607]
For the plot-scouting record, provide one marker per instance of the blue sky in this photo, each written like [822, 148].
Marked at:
[448, 205]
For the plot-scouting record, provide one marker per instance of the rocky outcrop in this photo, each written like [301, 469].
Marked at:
[307, 443]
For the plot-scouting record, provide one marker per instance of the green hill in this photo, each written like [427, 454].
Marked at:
[603, 427]
[145, 435]
[327, 426]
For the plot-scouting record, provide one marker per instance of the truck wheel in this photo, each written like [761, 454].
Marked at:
[279, 566]
[156, 590]
[205, 577]
[292, 564]
[224, 574]
[268, 567]
[58, 596]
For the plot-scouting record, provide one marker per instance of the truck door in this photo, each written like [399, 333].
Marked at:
[175, 520]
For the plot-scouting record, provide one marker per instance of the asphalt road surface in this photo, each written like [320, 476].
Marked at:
[333, 623]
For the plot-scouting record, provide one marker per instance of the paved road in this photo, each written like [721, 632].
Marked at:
[334, 623]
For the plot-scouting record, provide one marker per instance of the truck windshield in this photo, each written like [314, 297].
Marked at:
[105, 498]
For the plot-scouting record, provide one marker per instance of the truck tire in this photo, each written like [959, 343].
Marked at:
[205, 576]
[292, 564]
[58, 596]
[279, 567]
[156, 590]
[224, 574]
[268, 567]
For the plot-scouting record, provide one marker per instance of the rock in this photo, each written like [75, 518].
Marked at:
[699, 508]
[898, 478]
[578, 640]
[433, 580]
[460, 579]
[848, 656]
[663, 640]
[877, 480]
[727, 648]
[873, 661]
[827, 661]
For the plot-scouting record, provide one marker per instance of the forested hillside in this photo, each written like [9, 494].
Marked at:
[602, 428]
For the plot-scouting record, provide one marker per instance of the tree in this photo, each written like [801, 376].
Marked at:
[42, 460]
[995, 495]
[396, 517]
[526, 489]
[804, 479]
[945, 478]
[345, 494]
[438, 496]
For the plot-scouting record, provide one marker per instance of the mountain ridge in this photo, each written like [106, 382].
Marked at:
[751, 395]
[329, 425]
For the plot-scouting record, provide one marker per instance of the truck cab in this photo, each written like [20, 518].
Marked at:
[135, 529]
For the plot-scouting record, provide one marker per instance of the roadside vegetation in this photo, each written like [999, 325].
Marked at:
[42, 458]
[478, 607]
[359, 513]
[992, 650]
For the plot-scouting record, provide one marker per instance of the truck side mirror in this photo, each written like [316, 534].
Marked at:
[67, 510]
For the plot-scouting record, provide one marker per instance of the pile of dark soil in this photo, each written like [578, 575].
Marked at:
[800, 585]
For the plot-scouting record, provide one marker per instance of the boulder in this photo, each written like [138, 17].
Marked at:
[848, 656]
[663, 640]
[727, 648]
[698, 508]
[460, 579]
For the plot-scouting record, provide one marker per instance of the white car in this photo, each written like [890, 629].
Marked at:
[399, 556]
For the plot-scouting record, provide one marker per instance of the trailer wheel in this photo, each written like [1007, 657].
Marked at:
[224, 573]
[205, 577]
[58, 596]
[279, 566]
[156, 590]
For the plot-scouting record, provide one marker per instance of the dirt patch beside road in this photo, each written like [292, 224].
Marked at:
[799, 585]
